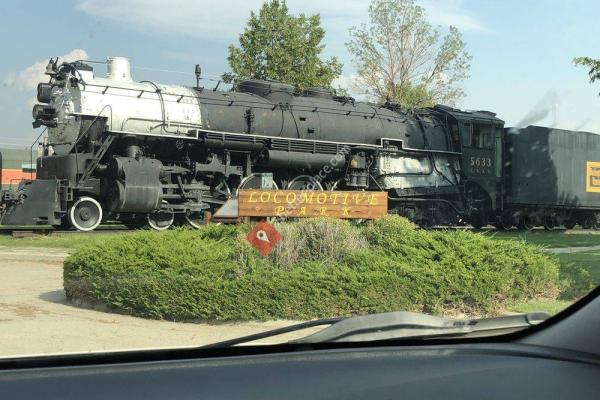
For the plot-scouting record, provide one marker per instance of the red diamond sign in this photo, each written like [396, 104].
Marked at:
[264, 237]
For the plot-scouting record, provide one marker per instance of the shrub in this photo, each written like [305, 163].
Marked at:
[576, 280]
[316, 239]
[322, 268]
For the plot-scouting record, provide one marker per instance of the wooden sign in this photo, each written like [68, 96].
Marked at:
[309, 203]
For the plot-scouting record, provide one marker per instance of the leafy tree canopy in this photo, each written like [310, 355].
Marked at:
[401, 57]
[593, 65]
[279, 46]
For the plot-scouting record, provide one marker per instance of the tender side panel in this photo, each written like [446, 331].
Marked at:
[553, 167]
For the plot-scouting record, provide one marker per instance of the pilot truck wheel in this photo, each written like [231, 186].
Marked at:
[85, 214]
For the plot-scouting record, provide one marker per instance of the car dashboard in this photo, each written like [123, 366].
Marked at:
[465, 371]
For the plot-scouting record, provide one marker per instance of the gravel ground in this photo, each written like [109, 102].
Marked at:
[35, 317]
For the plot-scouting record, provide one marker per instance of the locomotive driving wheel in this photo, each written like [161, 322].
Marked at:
[85, 214]
[340, 184]
[194, 218]
[253, 181]
[304, 182]
[221, 188]
[161, 219]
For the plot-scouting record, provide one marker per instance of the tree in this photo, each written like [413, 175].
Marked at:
[277, 45]
[401, 57]
[593, 65]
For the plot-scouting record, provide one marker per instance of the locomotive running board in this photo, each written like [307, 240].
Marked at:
[282, 142]
[279, 141]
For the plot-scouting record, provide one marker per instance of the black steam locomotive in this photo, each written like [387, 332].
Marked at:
[146, 153]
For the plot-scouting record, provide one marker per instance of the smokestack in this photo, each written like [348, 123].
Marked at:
[118, 69]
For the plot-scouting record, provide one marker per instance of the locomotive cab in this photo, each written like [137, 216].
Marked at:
[481, 136]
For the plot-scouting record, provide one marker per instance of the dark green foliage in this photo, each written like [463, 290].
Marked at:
[577, 281]
[280, 46]
[341, 269]
[592, 64]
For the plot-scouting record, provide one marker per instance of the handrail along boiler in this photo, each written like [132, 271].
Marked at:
[144, 152]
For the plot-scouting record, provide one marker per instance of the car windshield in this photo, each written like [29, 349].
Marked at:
[199, 173]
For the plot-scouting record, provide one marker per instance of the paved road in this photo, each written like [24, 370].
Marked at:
[35, 317]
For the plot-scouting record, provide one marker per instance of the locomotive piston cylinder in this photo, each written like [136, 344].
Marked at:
[135, 185]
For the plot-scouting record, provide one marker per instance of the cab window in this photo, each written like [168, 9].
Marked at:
[483, 136]
[466, 133]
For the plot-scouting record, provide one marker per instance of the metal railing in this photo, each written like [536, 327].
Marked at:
[31, 151]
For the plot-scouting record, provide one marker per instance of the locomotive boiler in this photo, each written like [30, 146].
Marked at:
[148, 153]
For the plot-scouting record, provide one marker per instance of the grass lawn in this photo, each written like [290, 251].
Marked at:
[56, 240]
[550, 239]
[548, 306]
[590, 260]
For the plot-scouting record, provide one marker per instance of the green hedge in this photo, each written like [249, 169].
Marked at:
[322, 268]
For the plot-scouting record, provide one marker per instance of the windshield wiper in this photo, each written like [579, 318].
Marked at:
[396, 325]
[274, 332]
[407, 325]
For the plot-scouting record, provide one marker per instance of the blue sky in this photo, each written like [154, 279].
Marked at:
[522, 50]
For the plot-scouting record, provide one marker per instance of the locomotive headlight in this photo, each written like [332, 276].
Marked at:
[37, 111]
[43, 115]
[44, 93]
